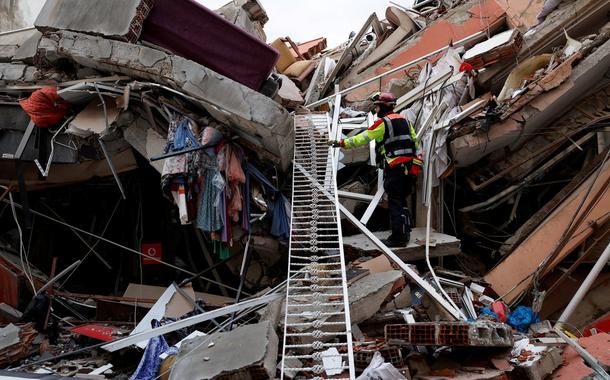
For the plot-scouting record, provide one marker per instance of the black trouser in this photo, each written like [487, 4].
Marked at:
[398, 186]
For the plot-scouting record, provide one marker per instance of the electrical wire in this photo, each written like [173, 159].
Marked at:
[119, 245]
[25, 265]
[94, 244]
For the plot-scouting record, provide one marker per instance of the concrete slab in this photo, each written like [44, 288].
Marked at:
[367, 295]
[262, 124]
[9, 336]
[247, 352]
[118, 19]
[10, 42]
[441, 245]
[541, 366]
[27, 50]
[538, 112]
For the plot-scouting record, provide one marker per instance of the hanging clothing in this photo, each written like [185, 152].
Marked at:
[235, 177]
[179, 176]
[278, 204]
[209, 215]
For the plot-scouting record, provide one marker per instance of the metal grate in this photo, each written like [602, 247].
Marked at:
[317, 308]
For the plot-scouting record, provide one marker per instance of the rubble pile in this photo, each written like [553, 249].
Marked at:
[171, 208]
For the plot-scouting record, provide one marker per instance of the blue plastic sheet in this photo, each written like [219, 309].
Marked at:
[521, 318]
[486, 310]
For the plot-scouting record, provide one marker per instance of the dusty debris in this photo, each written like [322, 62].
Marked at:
[247, 351]
[171, 205]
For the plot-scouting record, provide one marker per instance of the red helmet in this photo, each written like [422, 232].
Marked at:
[384, 98]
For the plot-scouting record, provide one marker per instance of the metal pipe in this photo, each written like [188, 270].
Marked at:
[590, 359]
[17, 205]
[584, 287]
[245, 265]
[377, 77]
[190, 321]
[60, 275]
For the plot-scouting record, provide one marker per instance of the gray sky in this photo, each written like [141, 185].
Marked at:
[308, 19]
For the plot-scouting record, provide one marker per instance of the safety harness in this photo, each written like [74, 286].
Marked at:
[397, 141]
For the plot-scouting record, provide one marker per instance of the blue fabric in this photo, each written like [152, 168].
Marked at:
[278, 205]
[148, 369]
[521, 318]
[209, 217]
[183, 137]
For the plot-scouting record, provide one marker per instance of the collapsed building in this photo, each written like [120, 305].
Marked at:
[170, 208]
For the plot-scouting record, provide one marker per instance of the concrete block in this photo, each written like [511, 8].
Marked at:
[118, 19]
[28, 49]
[248, 352]
[541, 367]
[261, 123]
[453, 334]
[10, 42]
[440, 245]
[12, 72]
[367, 294]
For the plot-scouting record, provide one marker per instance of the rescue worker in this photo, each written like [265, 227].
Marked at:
[397, 155]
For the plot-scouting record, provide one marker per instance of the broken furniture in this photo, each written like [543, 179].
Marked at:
[298, 69]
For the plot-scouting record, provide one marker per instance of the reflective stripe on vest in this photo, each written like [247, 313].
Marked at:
[401, 144]
[403, 152]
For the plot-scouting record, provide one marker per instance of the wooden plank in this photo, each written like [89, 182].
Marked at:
[144, 292]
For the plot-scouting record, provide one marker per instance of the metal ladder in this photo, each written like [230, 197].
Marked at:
[317, 307]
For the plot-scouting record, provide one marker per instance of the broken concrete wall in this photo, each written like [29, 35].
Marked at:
[258, 120]
[590, 74]
[459, 23]
[11, 42]
[118, 19]
[540, 246]
[248, 15]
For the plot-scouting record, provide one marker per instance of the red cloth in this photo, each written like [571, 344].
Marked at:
[501, 310]
[45, 107]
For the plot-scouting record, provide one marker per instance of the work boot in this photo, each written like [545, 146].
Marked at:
[396, 240]
[406, 217]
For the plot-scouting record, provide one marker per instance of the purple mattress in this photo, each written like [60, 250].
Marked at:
[193, 31]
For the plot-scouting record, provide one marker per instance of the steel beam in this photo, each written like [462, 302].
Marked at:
[186, 322]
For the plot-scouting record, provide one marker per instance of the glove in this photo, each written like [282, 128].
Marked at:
[335, 143]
